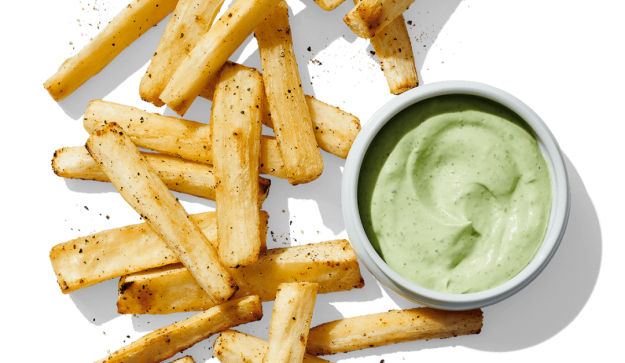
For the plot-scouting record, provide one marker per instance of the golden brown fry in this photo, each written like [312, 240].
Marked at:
[335, 129]
[371, 16]
[86, 261]
[168, 341]
[212, 52]
[329, 4]
[235, 135]
[127, 26]
[169, 135]
[170, 289]
[395, 326]
[190, 21]
[178, 175]
[290, 322]
[393, 48]
[232, 346]
[140, 186]
[289, 111]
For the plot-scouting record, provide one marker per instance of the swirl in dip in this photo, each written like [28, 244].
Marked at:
[454, 194]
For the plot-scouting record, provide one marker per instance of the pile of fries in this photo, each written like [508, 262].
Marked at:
[218, 263]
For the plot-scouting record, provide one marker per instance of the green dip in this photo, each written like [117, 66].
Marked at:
[455, 195]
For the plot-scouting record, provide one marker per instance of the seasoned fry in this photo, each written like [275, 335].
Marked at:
[371, 16]
[395, 326]
[190, 21]
[212, 52]
[178, 175]
[127, 26]
[86, 261]
[393, 48]
[169, 135]
[289, 111]
[335, 129]
[232, 346]
[332, 265]
[329, 4]
[140, 186]
[173, 136]
[164, 343]
[290, 322]
[235, 134]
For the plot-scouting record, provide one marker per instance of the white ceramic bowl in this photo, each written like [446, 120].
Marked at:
[367, 254]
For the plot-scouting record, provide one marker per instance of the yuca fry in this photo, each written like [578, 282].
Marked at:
[235, 135]
[179, 175]
[369, 17]
[395, 326]
[212, 52]
[335, 130]
[190, 21]
[127, 26]
[290, 322]
[332, 265]
[86, 261]
[173, 136]
[170, 135]
[289, 111]
[329, 4]
[393, 48]
[140, 186]
[164, 343]
[232, 346]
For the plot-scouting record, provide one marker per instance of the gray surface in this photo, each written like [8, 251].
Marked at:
[540, 312]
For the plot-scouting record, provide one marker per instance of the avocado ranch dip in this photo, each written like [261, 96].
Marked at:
[454, 194]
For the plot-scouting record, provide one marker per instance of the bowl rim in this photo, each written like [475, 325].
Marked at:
[376, 265]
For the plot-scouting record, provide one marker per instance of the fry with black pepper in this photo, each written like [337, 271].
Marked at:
[395, 326]
[86, 261]
[140, 186]
[287, 104]
[179, 175]
[332, 265]
[235, 135]
[394, 50]
[290, 322]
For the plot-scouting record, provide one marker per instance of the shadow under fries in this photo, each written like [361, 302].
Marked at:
[97, 303]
